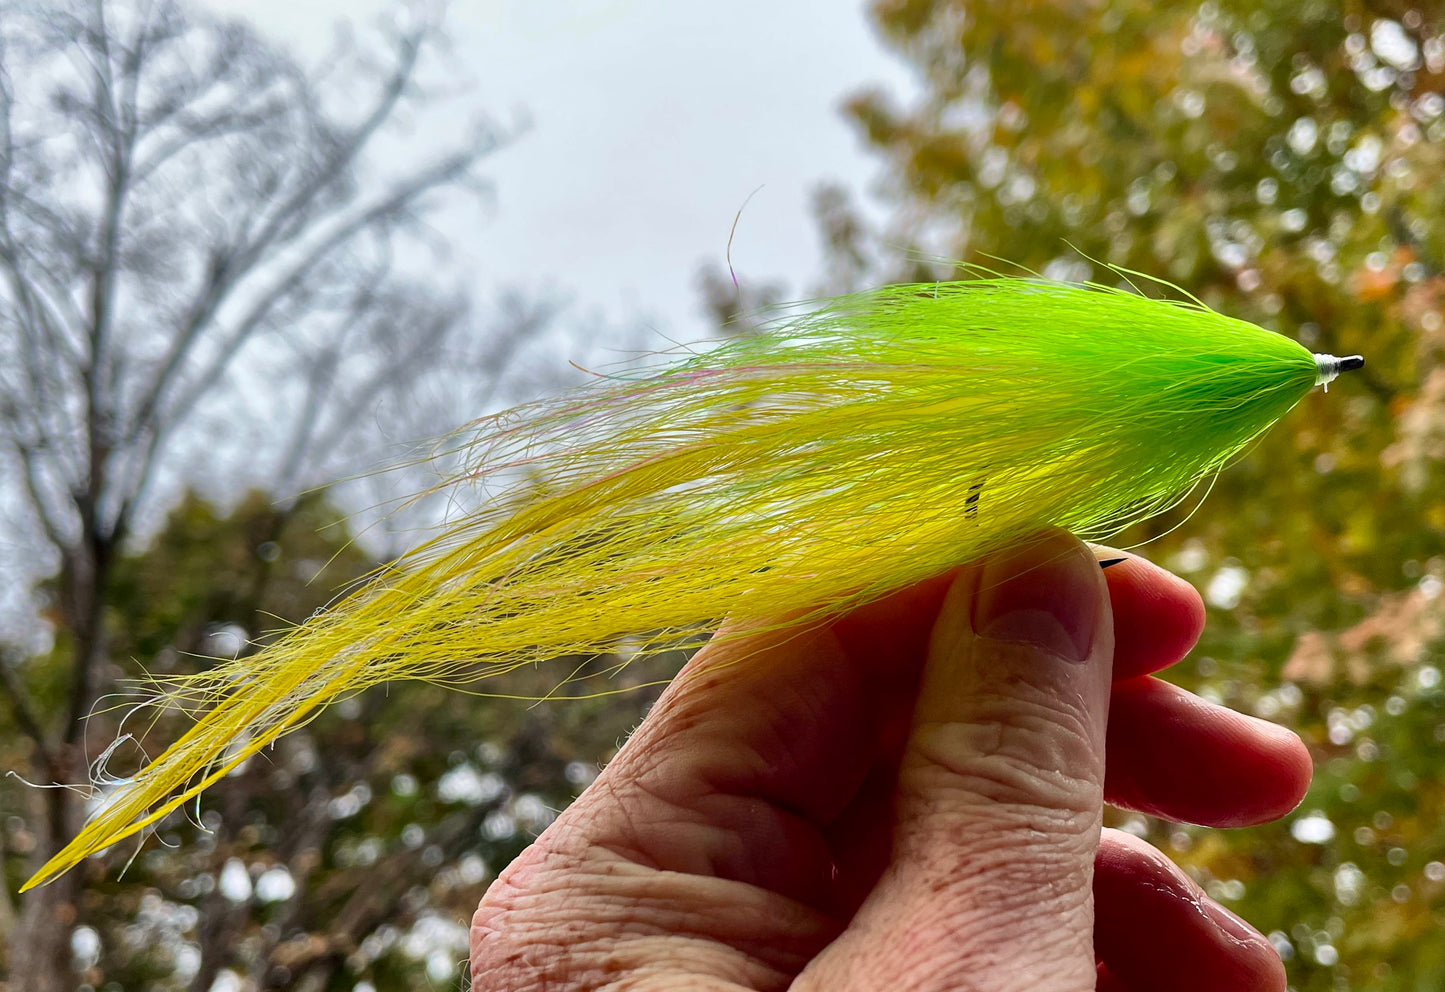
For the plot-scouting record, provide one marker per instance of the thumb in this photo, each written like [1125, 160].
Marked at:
[1000, 790]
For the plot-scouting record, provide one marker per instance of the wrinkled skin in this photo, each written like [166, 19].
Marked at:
[910, 799]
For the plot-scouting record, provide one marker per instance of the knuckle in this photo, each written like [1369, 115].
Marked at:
[523, 938]
[1015, 750]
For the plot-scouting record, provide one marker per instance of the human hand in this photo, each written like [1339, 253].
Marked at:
[909, 799]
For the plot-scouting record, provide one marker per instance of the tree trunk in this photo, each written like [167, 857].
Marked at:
[40, 953]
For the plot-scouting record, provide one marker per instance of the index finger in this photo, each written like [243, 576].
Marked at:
[1158, 616]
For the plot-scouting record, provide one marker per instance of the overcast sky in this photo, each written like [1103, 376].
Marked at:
[651, 122]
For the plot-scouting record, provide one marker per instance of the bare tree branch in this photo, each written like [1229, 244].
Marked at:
[43, 507]
[158, 425]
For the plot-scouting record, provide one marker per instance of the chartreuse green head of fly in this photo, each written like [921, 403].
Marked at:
[850, 447]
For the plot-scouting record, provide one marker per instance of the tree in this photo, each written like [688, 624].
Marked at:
[1278, 160]
[188, 226]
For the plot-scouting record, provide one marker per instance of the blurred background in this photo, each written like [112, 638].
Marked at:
[246, 250]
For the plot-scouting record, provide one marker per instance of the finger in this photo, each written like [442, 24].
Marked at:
[999, 790]
[1157, 615]
[1162, 614]
[1172, 754]
[1155, 930]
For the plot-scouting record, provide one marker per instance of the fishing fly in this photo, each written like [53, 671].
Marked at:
[846, 449]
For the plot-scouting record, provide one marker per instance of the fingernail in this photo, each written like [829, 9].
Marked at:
[1046, 595]
[1233, 927]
